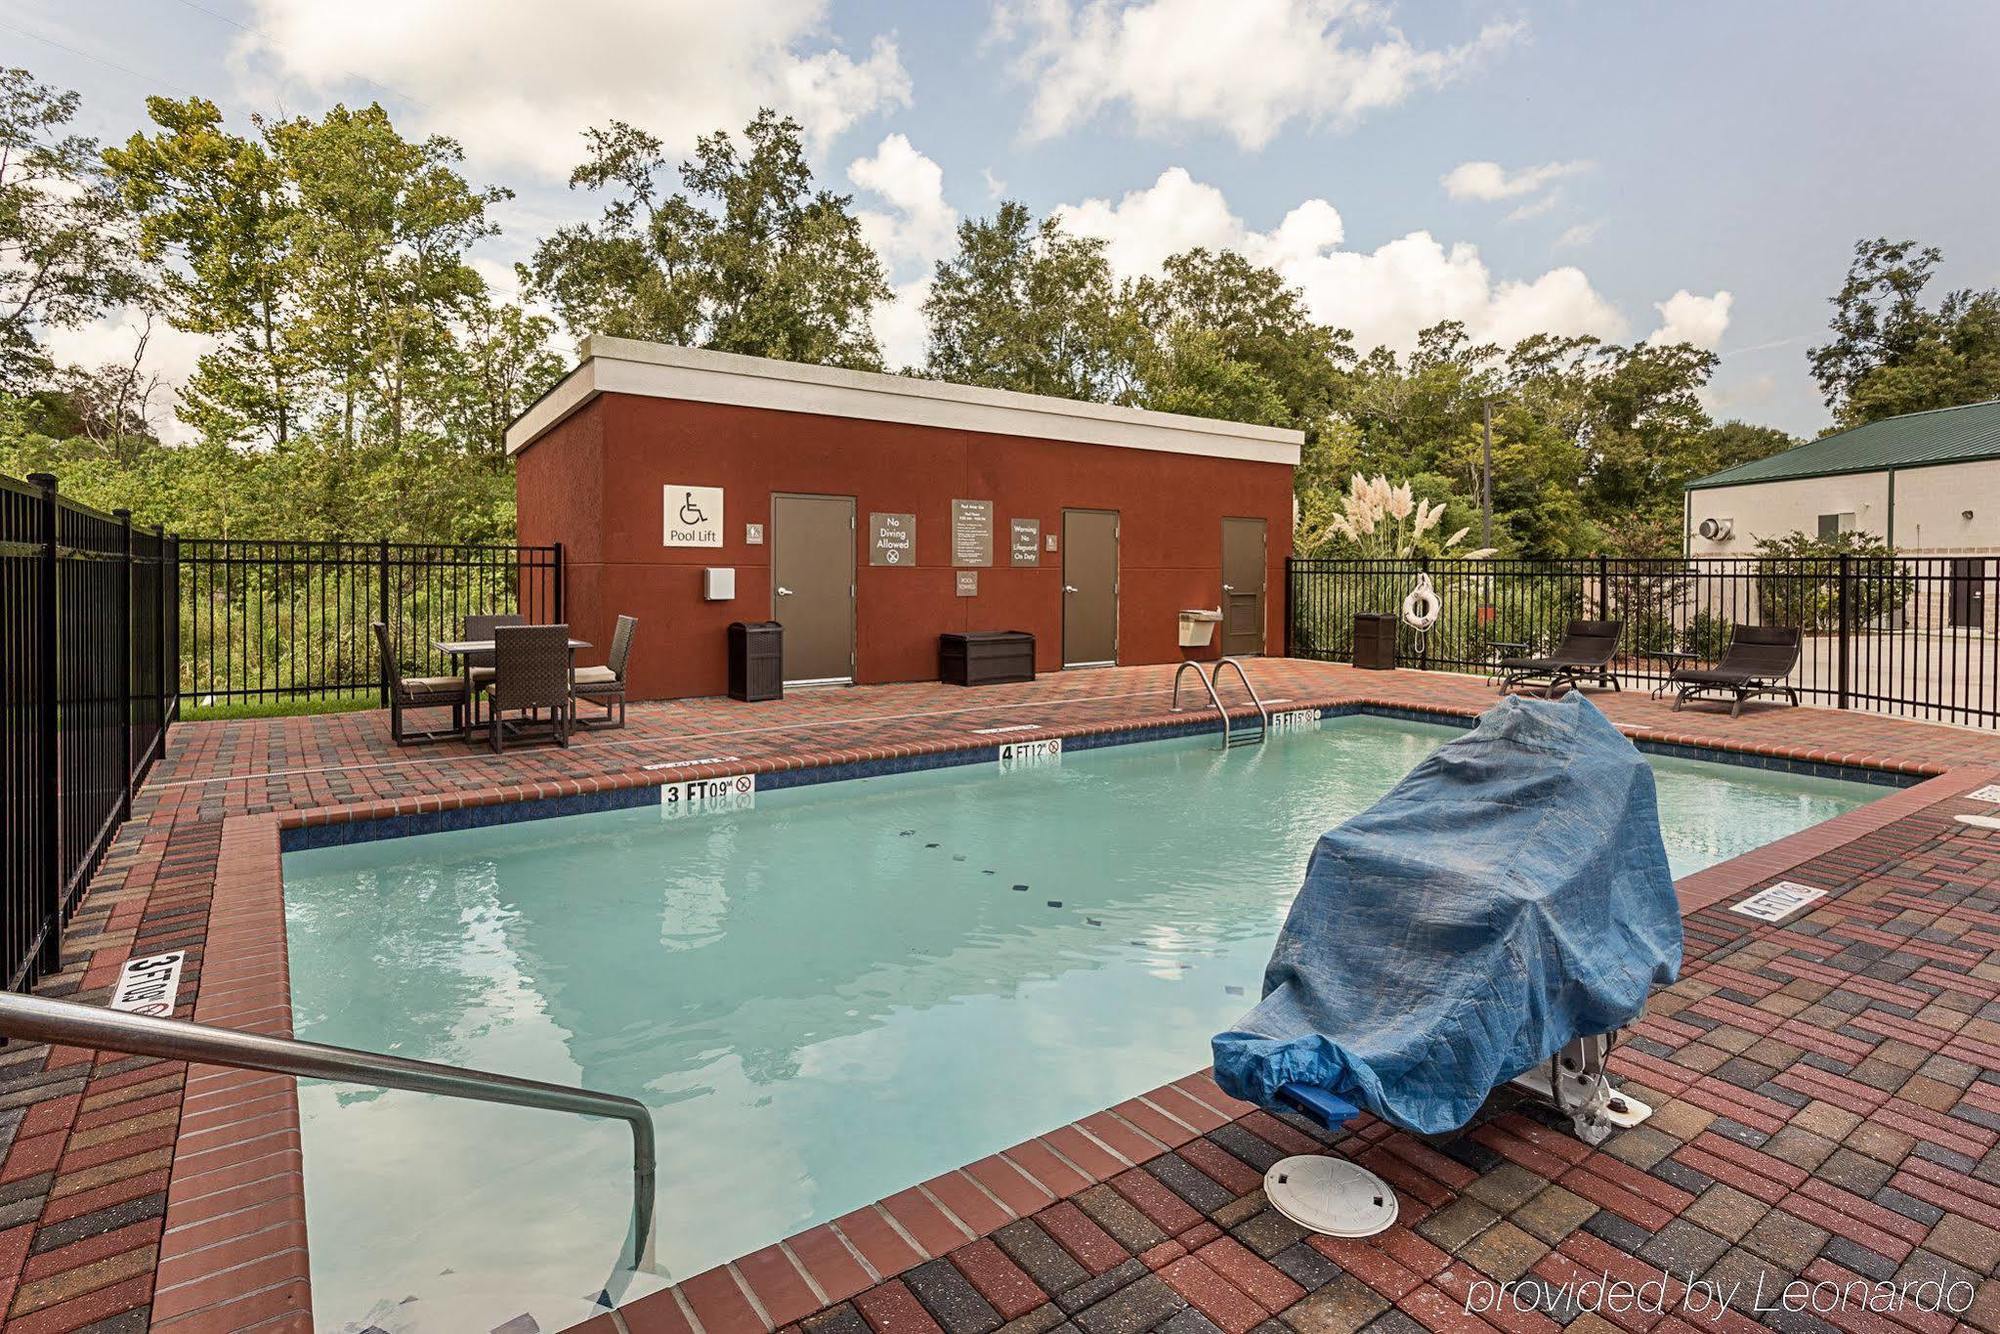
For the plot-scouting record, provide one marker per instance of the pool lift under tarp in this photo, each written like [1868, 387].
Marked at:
[1495, 920]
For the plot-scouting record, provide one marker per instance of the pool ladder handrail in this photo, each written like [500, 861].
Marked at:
[1207, 680]
[71, 1024]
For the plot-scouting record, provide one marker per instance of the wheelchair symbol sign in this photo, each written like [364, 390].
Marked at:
[693, 515]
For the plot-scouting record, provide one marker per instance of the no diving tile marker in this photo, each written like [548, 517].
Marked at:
[1991, 792]
[149, 985]
[1776, 902]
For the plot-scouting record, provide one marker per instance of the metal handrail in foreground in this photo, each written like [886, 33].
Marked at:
[74, 1025]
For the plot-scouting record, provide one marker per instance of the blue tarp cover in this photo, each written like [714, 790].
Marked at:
[1509, 895]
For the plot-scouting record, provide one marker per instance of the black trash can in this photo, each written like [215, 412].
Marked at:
[756, 660]
[1375, 641]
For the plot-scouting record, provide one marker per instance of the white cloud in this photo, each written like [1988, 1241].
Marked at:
[1489, 181]
[1385, 295]
[518, 80]
[110, 340]
[1579, 234]
[922, 226]
[916, 230]
[899, 324]
[1687, 318]
[1246, 68]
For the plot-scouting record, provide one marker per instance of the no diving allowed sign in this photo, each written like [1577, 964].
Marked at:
[708, 796]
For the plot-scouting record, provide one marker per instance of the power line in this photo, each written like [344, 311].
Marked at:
[276, 45]
[100, 60]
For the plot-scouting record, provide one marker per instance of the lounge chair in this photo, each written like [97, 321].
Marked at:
[479, 666]
[418, 692]
[532, 665]
[1757, 661]
[1586, 650]
[606, 685]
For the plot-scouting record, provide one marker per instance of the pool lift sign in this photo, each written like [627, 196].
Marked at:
[708, 796]
[1777, 902]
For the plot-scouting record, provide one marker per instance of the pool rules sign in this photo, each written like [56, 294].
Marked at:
[693, 516]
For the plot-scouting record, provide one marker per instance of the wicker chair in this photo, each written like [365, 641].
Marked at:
[479, 666]
[418, 692]
[606, 685]
[532, 675]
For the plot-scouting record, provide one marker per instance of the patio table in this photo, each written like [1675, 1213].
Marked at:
[463, 649]
[1675, 661]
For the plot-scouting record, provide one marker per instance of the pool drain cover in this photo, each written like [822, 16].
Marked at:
[1330, 1196]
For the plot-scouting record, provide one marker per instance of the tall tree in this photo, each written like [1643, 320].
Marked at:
[63, 255]
[215, 220]
[748, 257]
[379, 239]
[1031, 307]
[1890, 354]
[1232, 339]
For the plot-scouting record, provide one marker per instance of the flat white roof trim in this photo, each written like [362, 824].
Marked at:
[661, 370]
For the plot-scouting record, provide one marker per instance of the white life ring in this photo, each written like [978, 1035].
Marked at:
[1421, 607]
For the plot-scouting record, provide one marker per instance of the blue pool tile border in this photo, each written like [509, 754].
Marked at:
[304, 837]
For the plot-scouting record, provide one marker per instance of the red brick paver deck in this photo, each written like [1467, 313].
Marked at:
[134, 1190]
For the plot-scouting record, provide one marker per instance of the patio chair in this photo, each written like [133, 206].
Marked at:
[531, 675]
[479, 666]
[1757, 661]
[418, 692]
[606, 685]
[1586, 650]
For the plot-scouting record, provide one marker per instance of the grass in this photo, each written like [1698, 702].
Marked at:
[345, 702]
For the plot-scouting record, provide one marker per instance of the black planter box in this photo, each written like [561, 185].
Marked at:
[1375, 641]
[756, 660]
[986, 657]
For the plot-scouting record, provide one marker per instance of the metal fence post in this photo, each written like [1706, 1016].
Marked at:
[382, 550]
[1843, 591]
[50, 729]
[124, 518]
[1603, 589]
[561, 575]
[165, 607]
[1288, 606]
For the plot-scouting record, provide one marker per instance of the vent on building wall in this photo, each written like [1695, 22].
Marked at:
[1717, 530]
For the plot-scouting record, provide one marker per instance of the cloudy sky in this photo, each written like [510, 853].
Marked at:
[1693, 169]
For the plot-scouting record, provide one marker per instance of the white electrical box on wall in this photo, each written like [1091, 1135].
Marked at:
[718, 583]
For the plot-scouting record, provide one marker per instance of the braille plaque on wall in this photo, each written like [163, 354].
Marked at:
[971, 532]
[892, 539]
[1025, 546]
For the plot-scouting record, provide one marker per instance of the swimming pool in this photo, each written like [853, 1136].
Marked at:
[829, 996]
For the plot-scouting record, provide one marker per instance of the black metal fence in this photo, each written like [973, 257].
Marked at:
[1907, 635]
[288, 621]
[87, 646]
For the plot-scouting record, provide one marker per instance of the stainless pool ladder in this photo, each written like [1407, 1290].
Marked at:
[1207, 680]
[39, 1019]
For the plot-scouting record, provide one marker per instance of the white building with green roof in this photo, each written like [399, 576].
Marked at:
[1927, 483]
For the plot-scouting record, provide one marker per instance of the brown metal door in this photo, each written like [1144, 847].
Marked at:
[812, 585]
[1968, 594]
[1243, 586]
[1090, 588]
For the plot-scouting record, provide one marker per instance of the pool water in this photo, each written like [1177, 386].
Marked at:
[845, 990]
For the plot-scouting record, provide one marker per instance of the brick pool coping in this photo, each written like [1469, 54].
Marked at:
[217, 1152]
